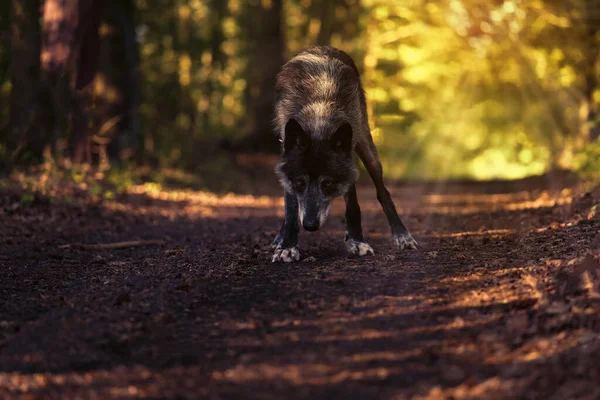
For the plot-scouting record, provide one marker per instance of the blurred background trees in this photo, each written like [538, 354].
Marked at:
[456, 88]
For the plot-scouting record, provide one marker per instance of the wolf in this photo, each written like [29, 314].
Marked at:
[321, 119]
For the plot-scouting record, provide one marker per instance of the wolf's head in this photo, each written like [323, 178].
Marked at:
[316, 170]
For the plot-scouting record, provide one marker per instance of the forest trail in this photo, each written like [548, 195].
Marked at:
[501, 300]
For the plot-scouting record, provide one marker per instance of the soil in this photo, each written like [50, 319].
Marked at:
[501, 300]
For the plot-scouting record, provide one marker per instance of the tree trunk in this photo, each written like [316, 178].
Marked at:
[263, 24]
[338, 17]
[25, 79]
[218, 10]
[592, 13]
[70, 61]
[121, 121]
[132, 123]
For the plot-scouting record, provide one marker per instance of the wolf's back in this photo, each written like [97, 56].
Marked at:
[320, 88]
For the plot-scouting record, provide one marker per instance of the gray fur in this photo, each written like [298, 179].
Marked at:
[321, 118]
[320, 88]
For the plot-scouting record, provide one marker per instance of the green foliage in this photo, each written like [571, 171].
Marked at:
[27, 198]
[588, 161]
[461, 88]
[476, 88]
[187, 96]
[456, 88]
[51, 182]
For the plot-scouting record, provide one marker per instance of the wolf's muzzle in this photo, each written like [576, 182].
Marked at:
[311, 224]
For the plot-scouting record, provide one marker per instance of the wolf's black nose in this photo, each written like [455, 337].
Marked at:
[310, 224]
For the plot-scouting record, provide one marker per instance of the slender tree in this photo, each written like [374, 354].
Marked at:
[118, 120]
[217, 37]
[336, 17]
[132, 121]
[263, 25]
[69, 63]
[592, 51]
[25, 78]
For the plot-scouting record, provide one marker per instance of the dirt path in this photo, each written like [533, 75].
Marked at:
[500, 301]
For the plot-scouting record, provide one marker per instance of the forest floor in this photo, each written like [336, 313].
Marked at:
[501, 300]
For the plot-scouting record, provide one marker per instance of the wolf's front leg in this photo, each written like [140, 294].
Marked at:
[368, 154]
[286, 242]
[355, 242]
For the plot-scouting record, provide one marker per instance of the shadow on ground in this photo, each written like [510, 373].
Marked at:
[487, 307]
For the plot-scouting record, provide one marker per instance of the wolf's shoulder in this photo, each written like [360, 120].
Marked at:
[317, 61]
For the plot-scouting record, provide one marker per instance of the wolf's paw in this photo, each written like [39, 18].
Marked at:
[286, 255]
[277, 242]
[357, 248]
[405, 241]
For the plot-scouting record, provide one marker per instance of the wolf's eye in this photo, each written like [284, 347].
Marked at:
[327, 185]
[299, 184]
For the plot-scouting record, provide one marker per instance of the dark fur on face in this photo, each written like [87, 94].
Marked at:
[316, 170]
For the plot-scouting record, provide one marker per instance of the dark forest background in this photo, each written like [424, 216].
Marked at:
[457, 88]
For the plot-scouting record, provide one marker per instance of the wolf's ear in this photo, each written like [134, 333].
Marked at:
[342, 138]
[295, 137]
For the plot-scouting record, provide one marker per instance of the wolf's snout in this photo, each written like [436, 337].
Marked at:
[311, 224]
